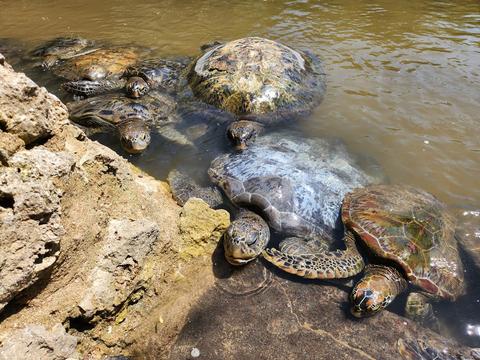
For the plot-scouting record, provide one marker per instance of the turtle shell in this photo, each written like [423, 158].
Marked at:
[157, 72]
[99, 64]
[411, 228]
[111, 109]
[257, 76]
[296, 184]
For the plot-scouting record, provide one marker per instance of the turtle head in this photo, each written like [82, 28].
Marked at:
[243, 132]
[376, 290]
[136, 87]
[134, 135]
[245, 239]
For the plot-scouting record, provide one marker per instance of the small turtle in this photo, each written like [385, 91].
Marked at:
[259, 80]
[137, 79]
[410, 237]
[295, 184]
[62, 48]
[133, 119]
[98, 67]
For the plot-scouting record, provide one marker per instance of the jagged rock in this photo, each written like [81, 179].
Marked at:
[26, 109]
[201, 227]
[30, 227]
[121, 259]
[36, 342]
[9, 144]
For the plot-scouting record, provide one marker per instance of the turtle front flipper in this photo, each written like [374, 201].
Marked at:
[419, 308]
[320, 265]
[89, 88]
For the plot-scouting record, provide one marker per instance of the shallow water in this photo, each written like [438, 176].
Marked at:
[403, 77]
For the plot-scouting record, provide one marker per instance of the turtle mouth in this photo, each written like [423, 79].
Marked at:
[236, 261]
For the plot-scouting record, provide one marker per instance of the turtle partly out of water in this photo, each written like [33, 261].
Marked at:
[259, 80]
[133, 119]
[137, 79]
[409, 236]
[101, 66]
[294, 185]
[62, 48]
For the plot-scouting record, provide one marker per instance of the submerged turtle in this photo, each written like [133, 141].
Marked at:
[62, 48]
[133, 119]
[259, 80]
[295, 184]
[410, 237]
[137, 79]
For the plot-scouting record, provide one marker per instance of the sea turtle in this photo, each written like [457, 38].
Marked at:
[259, 80]
[137, 79]
[295, 184]
[100, 66]
[133, 119]
[62, 48]
[409, 235]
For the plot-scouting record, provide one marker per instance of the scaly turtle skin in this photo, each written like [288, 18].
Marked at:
[62, 48]
[133, 119]
[408, 232]
[137, 79]
[295, 184]
[258, 79]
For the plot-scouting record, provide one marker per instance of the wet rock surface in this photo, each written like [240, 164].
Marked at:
[286, 319]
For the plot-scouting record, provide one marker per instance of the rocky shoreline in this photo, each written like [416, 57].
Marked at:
[97, 260]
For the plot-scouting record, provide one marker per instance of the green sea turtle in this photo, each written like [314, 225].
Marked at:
[292, 184]
[137, 79]
[62, 48]
[101, 64]
[259, 80]
[133, 119]
[409, 235]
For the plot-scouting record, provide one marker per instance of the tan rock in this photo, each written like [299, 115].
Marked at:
[201, 228]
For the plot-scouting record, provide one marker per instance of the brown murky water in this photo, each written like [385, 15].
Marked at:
[403, 76]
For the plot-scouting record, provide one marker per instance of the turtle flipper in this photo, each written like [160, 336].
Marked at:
[170, 133]
[90, 88]
[419, 308]
[320, 265]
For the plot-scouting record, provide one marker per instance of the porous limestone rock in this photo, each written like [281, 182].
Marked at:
[36, 342]
[122, 257]
[201, 227]
[26, 109]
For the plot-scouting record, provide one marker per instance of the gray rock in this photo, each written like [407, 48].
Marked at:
[120, 260]
[30, 230]
[36, 342]
[26, 109]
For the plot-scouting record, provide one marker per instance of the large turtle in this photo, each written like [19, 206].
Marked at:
[259, 80]
[62, 48]
[137, 79]
[133, 119]
[409, 235]
[295, 184]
